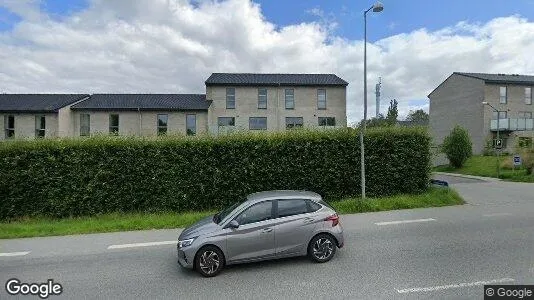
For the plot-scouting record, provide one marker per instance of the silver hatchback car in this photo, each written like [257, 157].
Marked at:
[267, 225]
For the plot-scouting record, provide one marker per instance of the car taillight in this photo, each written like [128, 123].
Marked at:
[334, 218]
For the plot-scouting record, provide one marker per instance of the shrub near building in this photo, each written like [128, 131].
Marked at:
[60, 178]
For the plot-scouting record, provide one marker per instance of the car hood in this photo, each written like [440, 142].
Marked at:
[201, 227]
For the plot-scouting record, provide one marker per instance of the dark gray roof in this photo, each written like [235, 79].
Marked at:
[251, 79]
[154, 102]
[36, 103]
[501, 78]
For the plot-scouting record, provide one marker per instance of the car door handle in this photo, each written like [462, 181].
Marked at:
[266, 230]
[308, 220]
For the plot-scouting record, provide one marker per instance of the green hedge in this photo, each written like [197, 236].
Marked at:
[60, 178]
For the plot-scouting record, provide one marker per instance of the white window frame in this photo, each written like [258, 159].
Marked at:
[188, 129]
[262, 98]
[289, 97]
[230, 98]
[40, 131]
[321, 103]
[85, 130]
[9, 131]
[253, 126]
[162, 129]
[503, 99]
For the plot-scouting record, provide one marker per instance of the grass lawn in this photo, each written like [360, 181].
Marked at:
[487, 166]
[434, 197]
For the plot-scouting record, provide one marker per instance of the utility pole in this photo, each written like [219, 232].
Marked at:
[377, 92]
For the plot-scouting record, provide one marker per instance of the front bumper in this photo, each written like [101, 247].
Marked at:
[185, 259]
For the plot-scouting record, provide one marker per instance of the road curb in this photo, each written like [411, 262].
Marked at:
[488, 179]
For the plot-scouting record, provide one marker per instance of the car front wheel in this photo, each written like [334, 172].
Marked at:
[322, 248]
[209, 261]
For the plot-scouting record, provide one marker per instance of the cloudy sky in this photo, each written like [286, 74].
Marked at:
[171, 46]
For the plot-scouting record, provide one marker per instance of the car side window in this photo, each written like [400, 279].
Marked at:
[292, 207]
[312, 206]
[256, 213]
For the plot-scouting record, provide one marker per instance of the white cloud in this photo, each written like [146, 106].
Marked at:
[173, 46]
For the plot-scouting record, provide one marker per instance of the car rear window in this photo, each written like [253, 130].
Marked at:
[292, 207]
[326, 204]
[312, 206]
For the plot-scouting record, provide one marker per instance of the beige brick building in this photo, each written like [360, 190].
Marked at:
[458, 100]
[26, 116]
[276, 101]
[232, 102]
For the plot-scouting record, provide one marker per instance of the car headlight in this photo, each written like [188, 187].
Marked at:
[185, 243]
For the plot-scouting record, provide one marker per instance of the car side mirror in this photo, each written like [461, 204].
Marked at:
[233, 224]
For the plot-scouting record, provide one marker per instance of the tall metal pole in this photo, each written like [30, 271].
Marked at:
[498, 150]
[362, 131]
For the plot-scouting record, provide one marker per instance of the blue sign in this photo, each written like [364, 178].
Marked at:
[517, 160]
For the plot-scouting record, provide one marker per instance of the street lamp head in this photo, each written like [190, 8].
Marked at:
[485, 103]
[378, 7]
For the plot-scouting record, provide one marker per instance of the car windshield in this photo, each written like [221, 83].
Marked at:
[218, 217]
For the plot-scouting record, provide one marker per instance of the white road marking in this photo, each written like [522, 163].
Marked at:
[453, 286]
[497, 214]
[142, 244]
[404, 222]
[15, 253]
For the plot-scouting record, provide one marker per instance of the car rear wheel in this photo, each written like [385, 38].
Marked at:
[209, 261]
[322, 248]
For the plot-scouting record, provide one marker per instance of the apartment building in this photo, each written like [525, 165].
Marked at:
[141, 114]
[37, 115]
[275, 101]
[459, 100]
[244, 102]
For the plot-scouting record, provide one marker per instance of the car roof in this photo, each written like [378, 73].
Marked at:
[282, 194]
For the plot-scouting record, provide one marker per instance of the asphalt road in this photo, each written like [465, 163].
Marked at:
[441, 253]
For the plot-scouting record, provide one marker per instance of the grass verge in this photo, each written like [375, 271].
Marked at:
[486, 166]
[434, 197]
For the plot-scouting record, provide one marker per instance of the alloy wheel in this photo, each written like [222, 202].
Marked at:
[209, 262]
[323, 248]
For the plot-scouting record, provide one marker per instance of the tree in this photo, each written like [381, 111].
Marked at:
[457, 146]
[378, 121]
[393, 113]
[418, 117]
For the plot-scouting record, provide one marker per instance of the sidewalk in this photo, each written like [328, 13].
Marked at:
[489, 179]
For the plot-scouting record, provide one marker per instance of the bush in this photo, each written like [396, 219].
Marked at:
[457, 146]
[83, 177]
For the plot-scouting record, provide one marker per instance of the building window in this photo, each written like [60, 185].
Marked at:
[290, 98]
[191, 124]
[502, 115]
[257, 123]
[292, 122]
[85, 124]
[40, 126]
[321, 99]
[503, 95]
[9, 126]
[528, 95]
[163, 121]
[262, 98]
[525, 115]
[226, 121]
[230, 98]
[327, 121]
[114, 123]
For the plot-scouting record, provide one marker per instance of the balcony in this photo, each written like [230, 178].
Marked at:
[512, 124]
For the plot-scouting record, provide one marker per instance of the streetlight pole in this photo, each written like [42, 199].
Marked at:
[498, 138]
[377, 7]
